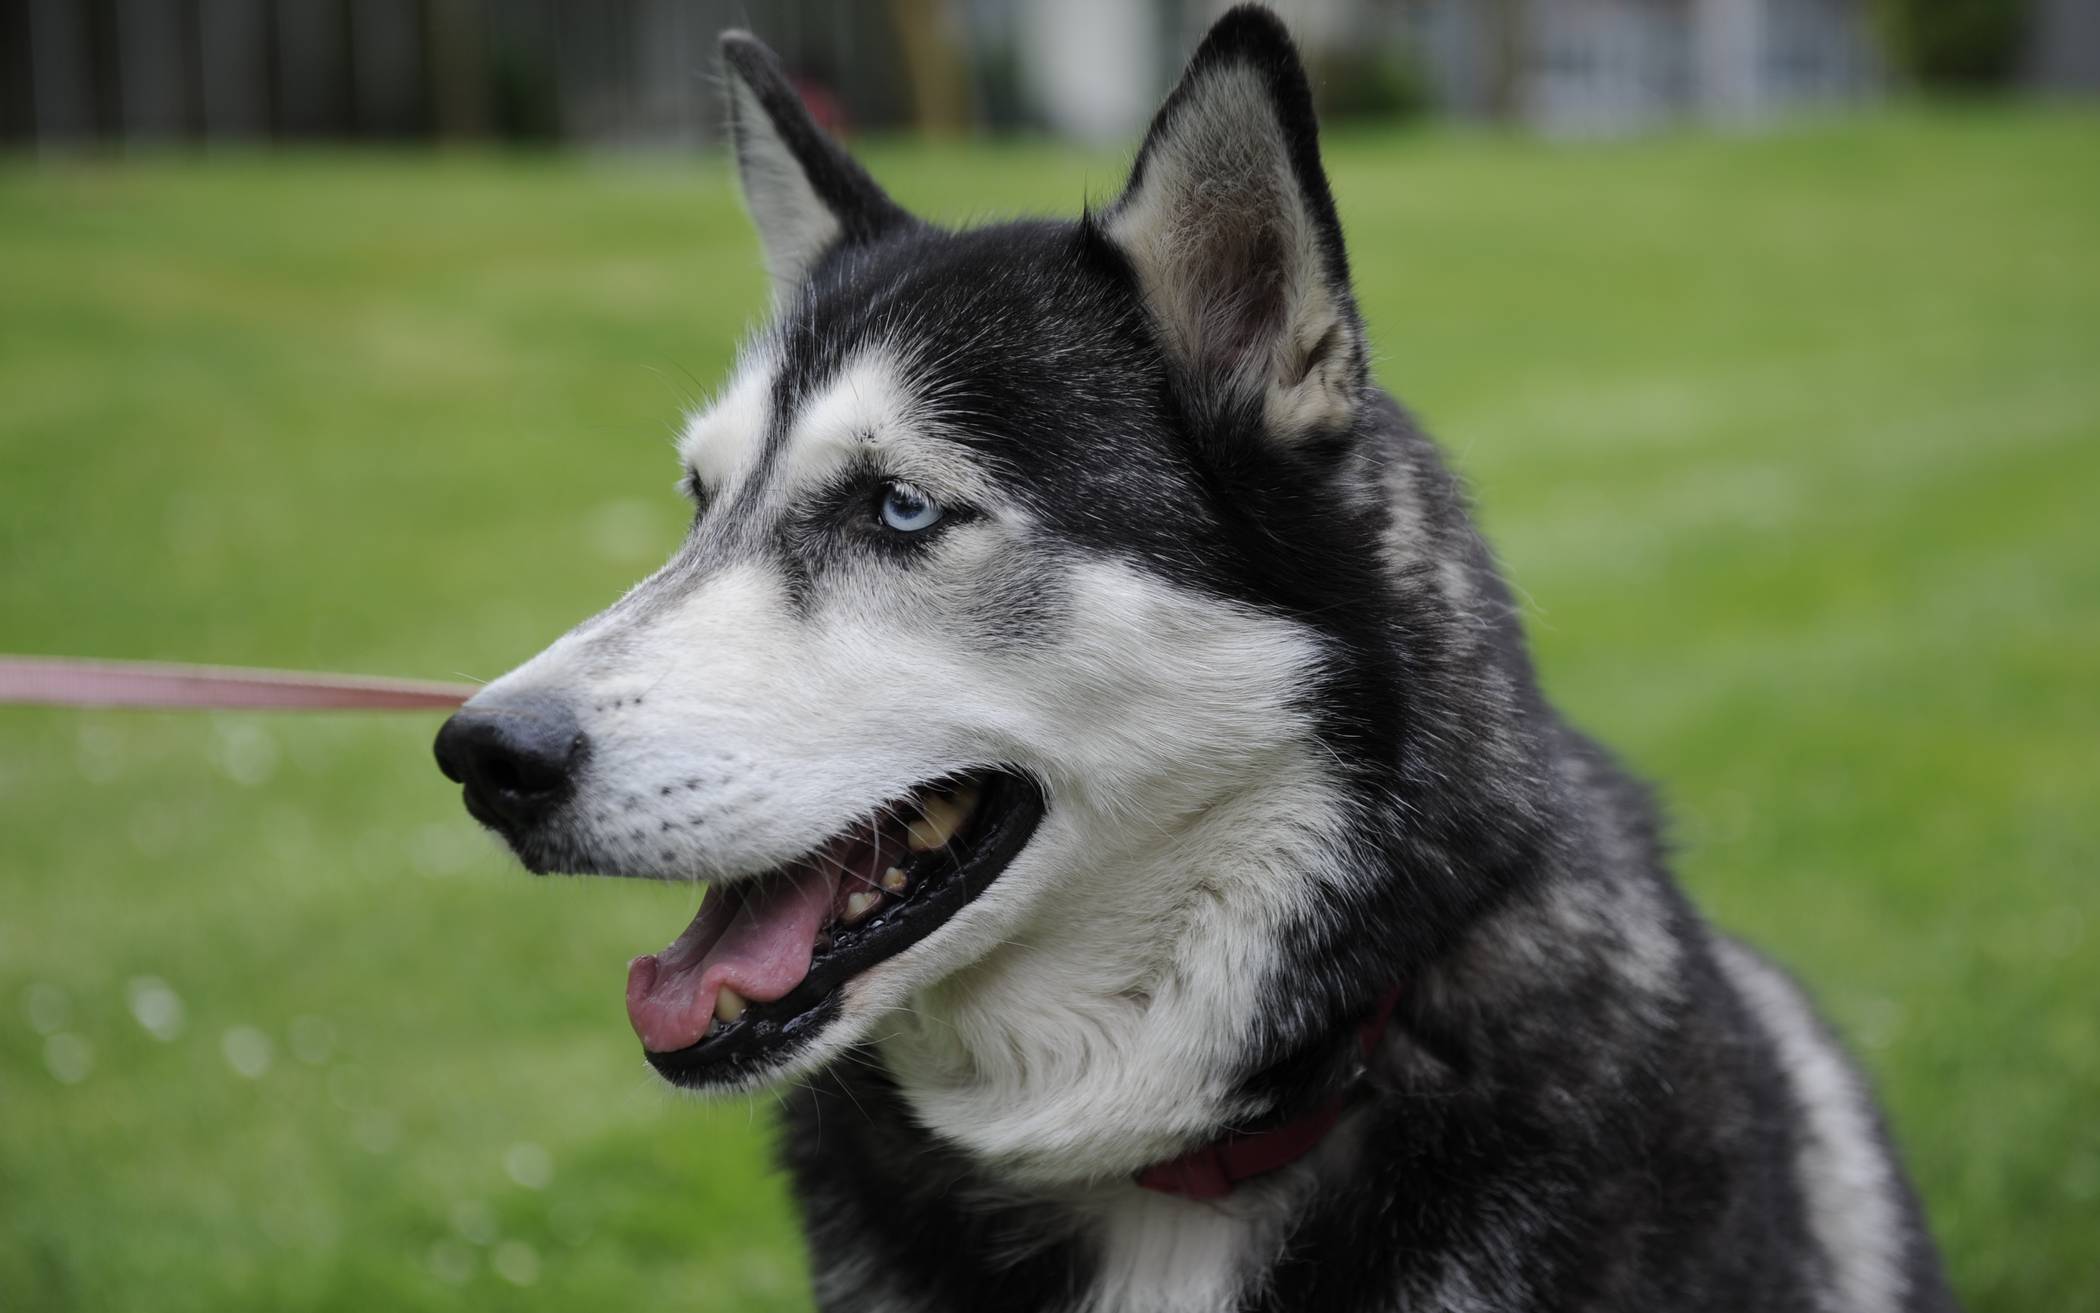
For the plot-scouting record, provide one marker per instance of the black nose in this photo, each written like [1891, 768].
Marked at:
[517, 759]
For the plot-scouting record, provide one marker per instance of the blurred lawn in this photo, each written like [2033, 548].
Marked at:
[1793, 444]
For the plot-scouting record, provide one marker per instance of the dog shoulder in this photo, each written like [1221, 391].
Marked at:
[1860, 1208]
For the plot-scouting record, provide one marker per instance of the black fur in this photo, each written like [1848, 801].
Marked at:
[1539, 1131]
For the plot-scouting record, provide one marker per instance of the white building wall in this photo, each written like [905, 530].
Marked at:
[1092, 66]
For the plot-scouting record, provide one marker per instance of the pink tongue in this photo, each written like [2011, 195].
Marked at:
[756, 939]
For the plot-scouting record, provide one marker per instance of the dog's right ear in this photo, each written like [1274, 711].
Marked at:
[804, 193]
[1228, 223]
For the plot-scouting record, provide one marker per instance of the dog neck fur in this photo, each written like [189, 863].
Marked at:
[1108, 1030]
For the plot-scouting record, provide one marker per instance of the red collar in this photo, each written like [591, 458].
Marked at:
[1212, 1170]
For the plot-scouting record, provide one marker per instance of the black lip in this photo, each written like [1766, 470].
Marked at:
[1010, 808]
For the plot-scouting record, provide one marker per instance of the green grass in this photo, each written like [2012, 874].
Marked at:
[1793, 444]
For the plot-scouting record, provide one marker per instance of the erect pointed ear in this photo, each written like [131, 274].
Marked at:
[804, 193]
[1229, 225]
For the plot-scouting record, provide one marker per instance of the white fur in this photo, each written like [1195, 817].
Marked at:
[1162, 1254]
[1844, 1173]
[1078, 1020]
[725, 436]
[794, 225]
[864, 401]
[869, 405]
[866, 405]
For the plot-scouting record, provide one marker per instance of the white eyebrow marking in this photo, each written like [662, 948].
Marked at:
[863, 403]
[727, 435]
[870, 405]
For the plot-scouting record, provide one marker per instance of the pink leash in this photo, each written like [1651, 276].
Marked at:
[66, 682]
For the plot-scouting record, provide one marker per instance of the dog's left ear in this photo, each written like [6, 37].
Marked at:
[1229, 225]
[805, 194]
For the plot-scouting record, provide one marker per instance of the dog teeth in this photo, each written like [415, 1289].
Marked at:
[729, 1005]
[858, 905]
[940, 816]
[894, 880]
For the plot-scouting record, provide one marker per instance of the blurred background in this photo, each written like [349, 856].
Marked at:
[353, 335]
[627, 73]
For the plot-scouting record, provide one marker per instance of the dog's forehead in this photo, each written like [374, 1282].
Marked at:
[874, 406]
[946, 350]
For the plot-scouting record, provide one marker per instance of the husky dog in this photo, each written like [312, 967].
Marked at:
[1135, 840]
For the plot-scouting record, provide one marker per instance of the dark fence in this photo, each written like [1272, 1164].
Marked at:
[628, 72]
[81, 72]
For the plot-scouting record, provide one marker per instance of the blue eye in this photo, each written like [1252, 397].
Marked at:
[907, 510]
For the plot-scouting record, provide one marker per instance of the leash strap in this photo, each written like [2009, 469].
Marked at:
[1212, 1170]
[65, 682]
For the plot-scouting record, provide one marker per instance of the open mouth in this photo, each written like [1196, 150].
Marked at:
[758, 972]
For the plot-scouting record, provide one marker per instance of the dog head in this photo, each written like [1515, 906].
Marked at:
[1015, 690]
